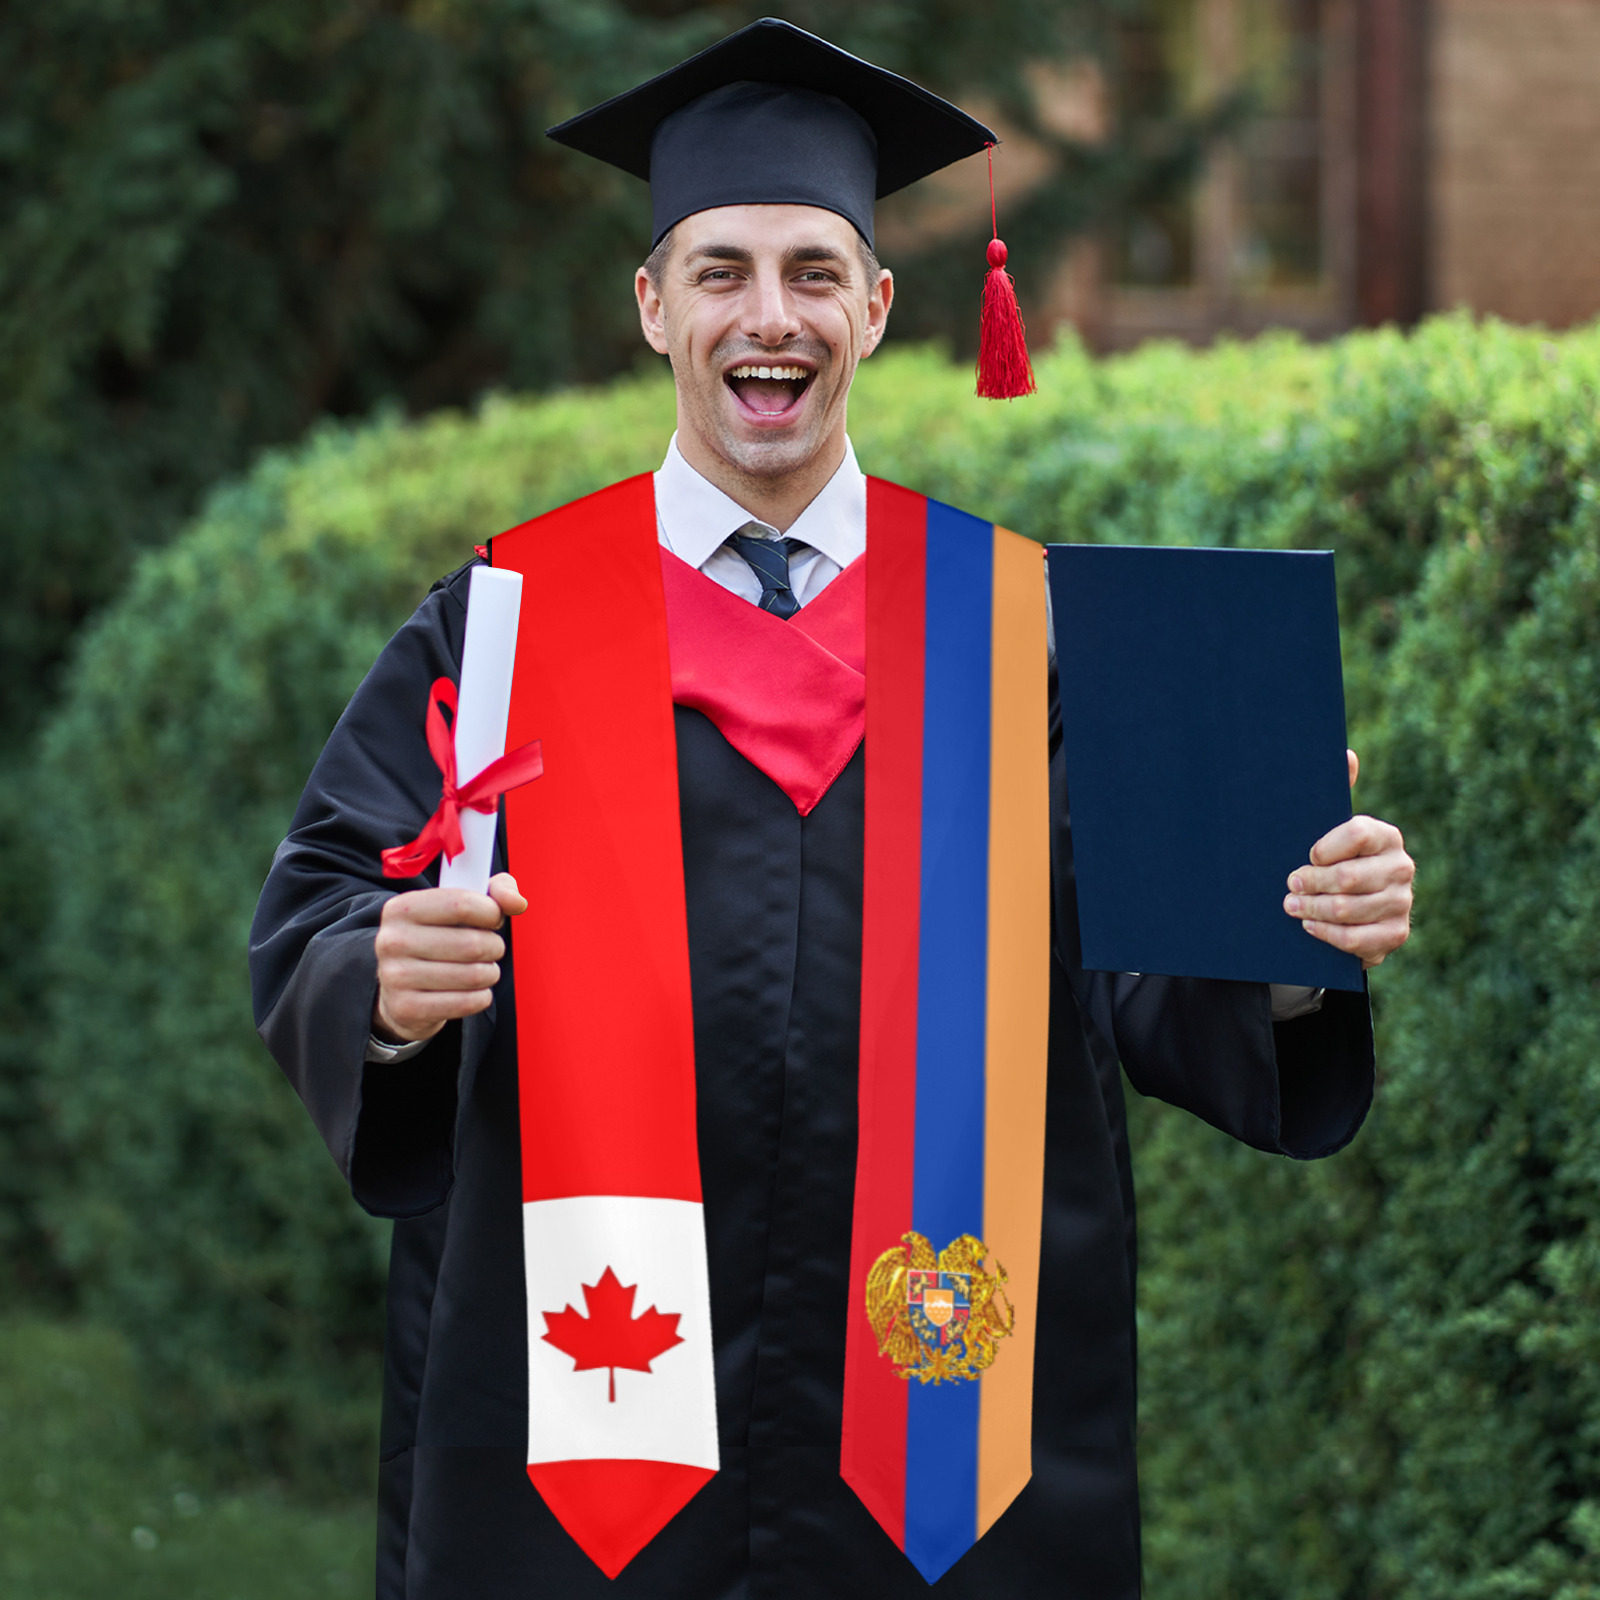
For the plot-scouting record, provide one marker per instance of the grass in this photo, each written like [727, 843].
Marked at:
[94, 1502]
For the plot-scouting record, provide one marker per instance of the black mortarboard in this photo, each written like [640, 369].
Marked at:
[774, 115]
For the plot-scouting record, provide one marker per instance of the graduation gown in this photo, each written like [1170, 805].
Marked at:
[774, 924]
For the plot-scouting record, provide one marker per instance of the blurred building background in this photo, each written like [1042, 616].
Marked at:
[1394, 157]
[1406, 156]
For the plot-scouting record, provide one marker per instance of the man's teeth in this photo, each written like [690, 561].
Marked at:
[798, 374]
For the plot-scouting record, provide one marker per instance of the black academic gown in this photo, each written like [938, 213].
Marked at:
[774, 917]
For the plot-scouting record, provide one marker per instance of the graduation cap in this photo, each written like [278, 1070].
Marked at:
[773, 115]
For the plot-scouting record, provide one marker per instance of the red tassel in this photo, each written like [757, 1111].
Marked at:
[1004, 371]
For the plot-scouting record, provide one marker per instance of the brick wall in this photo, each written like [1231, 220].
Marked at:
[1514, 158]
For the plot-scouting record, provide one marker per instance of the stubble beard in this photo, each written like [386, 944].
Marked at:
[766, 458]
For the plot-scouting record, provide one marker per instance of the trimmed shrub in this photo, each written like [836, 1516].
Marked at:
[204, 1218]
[1369, 1376]
[1374, 1376]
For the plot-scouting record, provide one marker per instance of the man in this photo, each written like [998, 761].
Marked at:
[393, 1016]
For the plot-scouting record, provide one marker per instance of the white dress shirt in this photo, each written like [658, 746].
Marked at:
[693, 520]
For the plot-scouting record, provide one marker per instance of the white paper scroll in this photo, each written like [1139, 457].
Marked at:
[493, 602]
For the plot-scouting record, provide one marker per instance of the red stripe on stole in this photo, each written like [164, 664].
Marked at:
[605, 1033]
[874, 1439]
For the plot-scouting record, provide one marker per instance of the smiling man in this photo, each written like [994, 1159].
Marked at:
[764, 311]
[726, 1385]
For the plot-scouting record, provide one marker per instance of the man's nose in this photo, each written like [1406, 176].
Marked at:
[771, 319]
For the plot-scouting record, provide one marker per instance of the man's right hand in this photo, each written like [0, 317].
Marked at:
[438, 957]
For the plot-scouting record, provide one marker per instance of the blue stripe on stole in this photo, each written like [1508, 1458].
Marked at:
[947, 1179]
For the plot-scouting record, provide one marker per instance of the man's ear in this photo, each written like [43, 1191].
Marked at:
[652, 315]
[878, 303]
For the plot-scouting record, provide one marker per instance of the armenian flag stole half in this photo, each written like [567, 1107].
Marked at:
[945, 1254]
[949, 1181]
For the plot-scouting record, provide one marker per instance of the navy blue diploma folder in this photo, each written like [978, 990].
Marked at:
[1204, 737]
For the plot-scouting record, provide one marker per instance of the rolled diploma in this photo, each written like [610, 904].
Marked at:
[494, 599]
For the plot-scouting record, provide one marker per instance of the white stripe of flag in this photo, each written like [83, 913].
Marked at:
[658, 1248]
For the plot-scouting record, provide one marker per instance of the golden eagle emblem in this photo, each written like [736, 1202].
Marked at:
[938, 1317]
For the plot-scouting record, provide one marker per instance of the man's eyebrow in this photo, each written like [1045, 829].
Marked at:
[720, 252]
[822, 254]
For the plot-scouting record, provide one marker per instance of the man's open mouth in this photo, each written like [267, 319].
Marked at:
[771, 390]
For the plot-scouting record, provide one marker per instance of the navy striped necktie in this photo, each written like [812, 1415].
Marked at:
[769, 560]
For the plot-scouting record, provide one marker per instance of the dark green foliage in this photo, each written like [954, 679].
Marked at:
[1485, 1278]
[1369, 1377]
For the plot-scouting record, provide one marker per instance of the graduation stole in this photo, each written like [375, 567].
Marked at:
[949, 1182]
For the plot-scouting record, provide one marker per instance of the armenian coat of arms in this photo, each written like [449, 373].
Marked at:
[938, 1317]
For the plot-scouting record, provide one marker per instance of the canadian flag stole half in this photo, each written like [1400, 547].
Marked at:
[945, 1254]
[621, 1404]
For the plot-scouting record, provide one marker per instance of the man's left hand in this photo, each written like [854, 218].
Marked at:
[1355, 893]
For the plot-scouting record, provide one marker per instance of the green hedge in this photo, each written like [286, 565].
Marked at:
[1367, 1377]
[1376, 1376]
[204, 1218]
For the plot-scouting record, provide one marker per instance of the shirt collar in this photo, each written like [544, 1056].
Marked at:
[694, 517]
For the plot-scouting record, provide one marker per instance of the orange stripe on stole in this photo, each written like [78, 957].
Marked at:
[1018, 1006]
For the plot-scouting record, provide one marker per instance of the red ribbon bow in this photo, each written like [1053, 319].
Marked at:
[442, 831]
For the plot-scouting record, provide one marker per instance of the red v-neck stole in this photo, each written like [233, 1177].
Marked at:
[789, 696]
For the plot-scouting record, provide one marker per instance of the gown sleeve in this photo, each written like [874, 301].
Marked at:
[313, 965]
[1300, 1088]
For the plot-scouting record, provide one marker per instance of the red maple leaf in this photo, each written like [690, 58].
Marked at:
[611, 1336]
